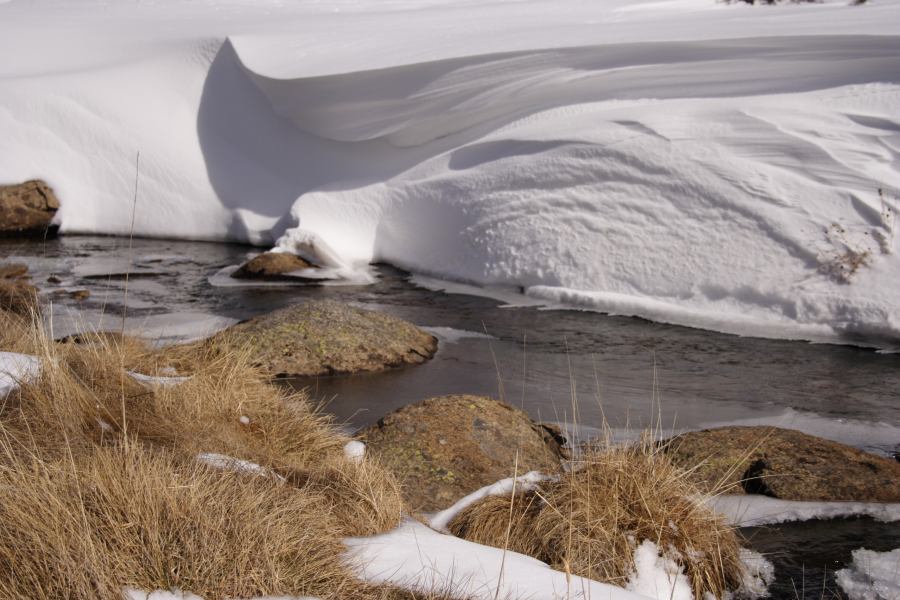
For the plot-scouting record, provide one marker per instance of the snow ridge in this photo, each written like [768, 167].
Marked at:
[689, 162]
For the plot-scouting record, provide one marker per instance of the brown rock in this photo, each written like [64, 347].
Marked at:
[272, 266]
[27, 208]
[324, 337]
[447, 447]
[784, 463]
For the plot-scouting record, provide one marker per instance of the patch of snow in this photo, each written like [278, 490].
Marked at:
[152, 380]
[657, 576]
[159, 329]
[871, 576]
[451, 335]
[523, 483]
[17, 368]
[135, 594]
[355, 450]
[417, 557]
[759, 573]
[229, 463]
[751, 510]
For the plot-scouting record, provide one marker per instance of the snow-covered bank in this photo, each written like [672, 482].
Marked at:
[686, 161]
[753, 511]
[418, 557]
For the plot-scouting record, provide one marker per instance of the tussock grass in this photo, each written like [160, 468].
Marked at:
[133, 516]
[590, 521]
[100, 487]
[17, 295]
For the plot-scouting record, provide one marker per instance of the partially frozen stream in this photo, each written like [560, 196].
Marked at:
[539, 359]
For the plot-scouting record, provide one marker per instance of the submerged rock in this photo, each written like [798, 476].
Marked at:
[272, 266]
[786, 464]
[447, 447]
[27, 209]
[324, 337]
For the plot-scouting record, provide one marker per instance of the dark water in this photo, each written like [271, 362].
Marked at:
[558, 365]
[806, 555]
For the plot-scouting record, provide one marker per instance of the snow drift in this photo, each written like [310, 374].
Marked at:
[686, 161]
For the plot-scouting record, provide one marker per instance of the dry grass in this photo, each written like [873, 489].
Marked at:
[590, 521]
[101, 487]
[138, 517]
[17, 295]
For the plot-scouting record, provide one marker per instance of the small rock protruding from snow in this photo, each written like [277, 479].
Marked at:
[355, 450]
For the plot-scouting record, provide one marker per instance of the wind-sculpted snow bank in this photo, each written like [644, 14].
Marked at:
[754, 215]
[685, 161]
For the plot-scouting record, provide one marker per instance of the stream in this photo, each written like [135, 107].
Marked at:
[581, 369]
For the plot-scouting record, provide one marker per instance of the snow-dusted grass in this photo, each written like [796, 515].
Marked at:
[107, 490]
[593, 521]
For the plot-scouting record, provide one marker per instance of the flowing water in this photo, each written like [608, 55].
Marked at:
[565, 366]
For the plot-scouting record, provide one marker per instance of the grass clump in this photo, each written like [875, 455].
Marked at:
[591, 520]
[101, 487]
[17, 295]
[126, 515]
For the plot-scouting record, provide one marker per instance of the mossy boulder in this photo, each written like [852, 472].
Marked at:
[272, 266]
[27, 209]
[325, 337]
[786, 464]
[446, 447]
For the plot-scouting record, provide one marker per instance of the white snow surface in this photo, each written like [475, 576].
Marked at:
[156, 380]
[355, 450]
[871, 575]
[508, 486]
[136, 594]
[687, 161]
[657, 576]
[224, 462]
[417, 557]
[15, 369]
[752, 510]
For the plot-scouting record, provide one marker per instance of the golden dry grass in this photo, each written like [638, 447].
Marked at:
[589, 522]
[17, 295]
[101, 488]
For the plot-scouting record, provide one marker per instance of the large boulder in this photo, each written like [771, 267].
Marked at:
[272, 266]
[325, 337]
[27, 209]
[447, 447]
[786, 464]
